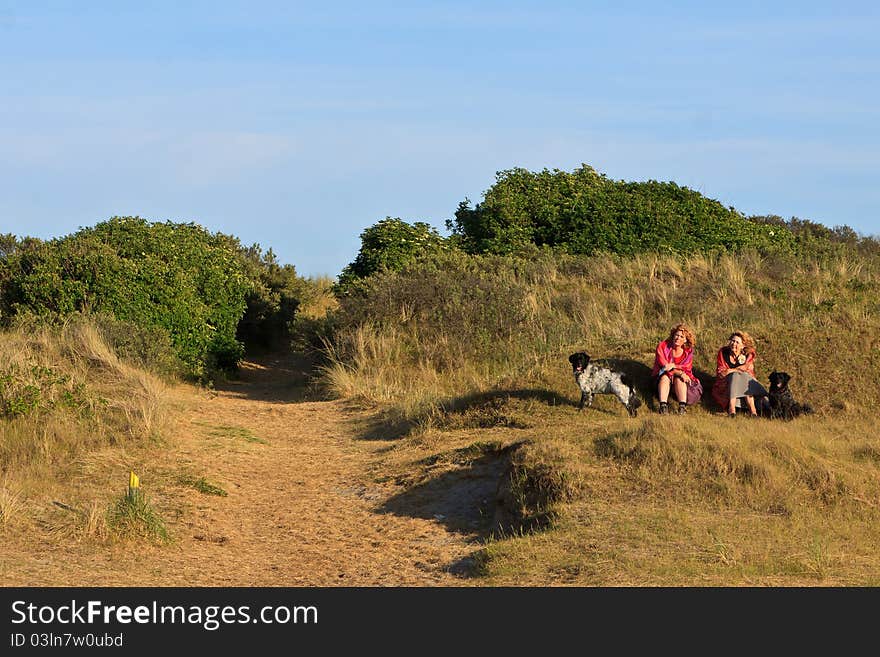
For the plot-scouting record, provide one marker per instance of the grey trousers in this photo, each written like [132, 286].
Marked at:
[741, 384]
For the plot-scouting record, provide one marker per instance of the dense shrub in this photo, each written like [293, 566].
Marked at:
[454, 305]
[390, 244]
[178, 277]
[584, 212]
[809, 238]
[29, 390]
[147, 347]
[272, 302]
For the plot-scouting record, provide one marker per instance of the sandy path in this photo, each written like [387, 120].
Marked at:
[301, 508]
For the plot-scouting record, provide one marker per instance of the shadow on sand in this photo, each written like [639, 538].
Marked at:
[278, 377]
[384, 426]
[463, 500]
[476, 500]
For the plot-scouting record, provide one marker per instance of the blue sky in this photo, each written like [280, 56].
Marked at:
[297, 125]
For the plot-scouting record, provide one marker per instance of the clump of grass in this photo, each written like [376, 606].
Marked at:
[95, 522]
[649, 450]
[493, 411]
[228, 431]
[63, 390]
[867, 453]
[539, 477]
[132, 516]
[202, 485]
[10, 505]
[768, 472]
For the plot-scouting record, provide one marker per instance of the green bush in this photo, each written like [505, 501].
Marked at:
[30, 390]
[177, 277]
[148, 347]
[272, 302]
[584, 212]
[390, 244]
[809, 238]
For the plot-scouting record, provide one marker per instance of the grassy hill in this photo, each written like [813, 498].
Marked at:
[462, 362]
[467, 358]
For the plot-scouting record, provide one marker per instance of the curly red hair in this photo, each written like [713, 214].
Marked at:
[748, 341]
[689, 340]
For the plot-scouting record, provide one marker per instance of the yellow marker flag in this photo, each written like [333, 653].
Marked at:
[133, 481]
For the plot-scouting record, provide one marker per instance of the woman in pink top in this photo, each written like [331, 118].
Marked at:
[673, 367]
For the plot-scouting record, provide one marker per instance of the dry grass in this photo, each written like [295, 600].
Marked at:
[673, 501]
[698, 500]
[319, 299]
[10, 505]
[371, 367]
[72, 395]
[598, 499]
[818, 320]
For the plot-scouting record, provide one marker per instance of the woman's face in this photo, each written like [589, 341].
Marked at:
[736, 344]
[678, 339]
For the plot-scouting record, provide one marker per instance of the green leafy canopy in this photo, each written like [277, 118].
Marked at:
[176, 276]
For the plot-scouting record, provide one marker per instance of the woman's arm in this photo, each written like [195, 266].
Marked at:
[660, 354]
[748, 367]
[666, 366]
[721, 368]
[685, 371]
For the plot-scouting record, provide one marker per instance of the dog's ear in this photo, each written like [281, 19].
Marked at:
[586, 356]
[572, 358]
[773, 374]
[785, 376]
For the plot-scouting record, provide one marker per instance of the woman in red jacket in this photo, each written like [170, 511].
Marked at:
[673, 367]
[735, 375]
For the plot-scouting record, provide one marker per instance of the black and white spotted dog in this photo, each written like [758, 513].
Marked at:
[593, 380]
[782, 403]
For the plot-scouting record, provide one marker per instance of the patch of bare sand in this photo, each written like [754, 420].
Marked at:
[302, 507]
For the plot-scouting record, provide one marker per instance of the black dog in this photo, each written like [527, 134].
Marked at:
[592, 380]
[782, 404]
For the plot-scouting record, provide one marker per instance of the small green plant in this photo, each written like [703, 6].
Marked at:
[134, 516]
[817, 561]
[202, 485]
[28, 390]
[227, 431]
